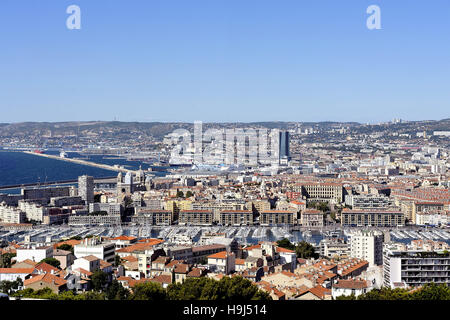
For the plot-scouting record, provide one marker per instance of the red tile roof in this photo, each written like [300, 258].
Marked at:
[47, 278]
[17, 270]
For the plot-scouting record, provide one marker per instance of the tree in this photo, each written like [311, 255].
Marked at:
[117, 260]
[148, 291]
[430, 291]
[350, 297]
[285, 243]
[322, 206]
[235, 288]
[305, 250]
[10, 286]
[180, 194]
[99, 280]
[117, 292]
[333, 215]
[66, 247]
[51, 261]
[5, 260]
[189, 194]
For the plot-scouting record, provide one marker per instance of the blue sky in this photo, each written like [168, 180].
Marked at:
[224, 60]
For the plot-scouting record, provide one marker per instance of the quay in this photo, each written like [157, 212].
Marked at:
[82, 162]
[105, 180]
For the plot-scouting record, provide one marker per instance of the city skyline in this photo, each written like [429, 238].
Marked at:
[225, 61]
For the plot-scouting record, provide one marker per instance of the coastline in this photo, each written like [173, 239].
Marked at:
[82, 162]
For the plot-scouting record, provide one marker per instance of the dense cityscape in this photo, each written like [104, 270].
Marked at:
[224, 159]
[338, 211]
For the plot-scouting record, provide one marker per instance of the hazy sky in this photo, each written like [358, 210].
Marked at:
[224, 60]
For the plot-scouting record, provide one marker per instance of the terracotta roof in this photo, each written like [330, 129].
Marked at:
[320, 291]
[28, 262]
[140, 246]
[195, 272]
[124, 238]
[218, 255]
[163, 278]
[351, 284]
[17, 270]
[90, 258]
[181, 268]
[161, 259]
[104, 264]
[240, 261]
[280, 249]
[45, 267]
[130, 258]
[47, 278]
[256, 246]
[72, 242]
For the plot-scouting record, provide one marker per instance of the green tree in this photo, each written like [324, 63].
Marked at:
[148, 291]
[10, 286]
[350, 297]
[5, 260]
[91, 295]
[333, 215]
[235, 288]
[189, 194]
[305, 250]
[51, 261]
[285, 243]
[180, 194]
[432, 291]
[117, 292]
[66, 247]
[99, 280]
[117, 260]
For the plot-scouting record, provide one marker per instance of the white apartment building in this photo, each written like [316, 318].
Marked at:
[432, 219]
[33, 211]
[11, 214]
[34, 253]
[104, 251]
[334, 248]
[222, 262]
[414, 267]
[90, 263]
[367, 245]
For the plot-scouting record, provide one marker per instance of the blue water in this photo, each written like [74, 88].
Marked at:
[20, 168]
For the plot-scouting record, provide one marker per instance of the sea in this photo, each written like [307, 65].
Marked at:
[18, 168]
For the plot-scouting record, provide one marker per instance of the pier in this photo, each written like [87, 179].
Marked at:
[104, 180]
[82, 162]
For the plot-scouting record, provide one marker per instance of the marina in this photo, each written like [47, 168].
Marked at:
[192, 234]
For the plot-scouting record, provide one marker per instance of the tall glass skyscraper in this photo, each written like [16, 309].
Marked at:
[284, 145]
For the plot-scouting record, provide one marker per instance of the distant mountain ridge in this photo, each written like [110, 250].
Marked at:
[159, 129]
